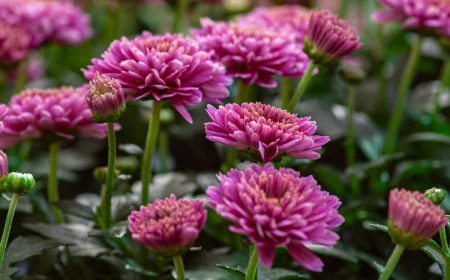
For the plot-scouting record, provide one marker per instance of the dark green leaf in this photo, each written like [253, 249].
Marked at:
[74, 208]
[337, 252]
[22, 248]
[427, 137]
[377, 227]
[279, 274]
[131, 149]
[233, 271]
[116, 231]
[360, 170]
[406, 169]
[137, 268]
[6, 272]
[330, 178]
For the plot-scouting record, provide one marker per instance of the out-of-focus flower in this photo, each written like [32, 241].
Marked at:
[422, 16]
[36, 70]
[329, 39]
[14, 43]
[3, 166]
[19, 183]
[282, 19]
[106, 99]
[265, 132]
[51, 114]
[413, 218]
[163, 67]
[3, 112]
[168, 227]
[251, 52]
[48, 20]
[276, 208]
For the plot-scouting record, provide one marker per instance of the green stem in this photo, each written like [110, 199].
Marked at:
[8, 224]
[344, 9]
[396, 117]
[52, 187]
[381, 73]
[350, 144]
[164, 149]
[242, 92]
[180, 10]
[252, 268]
[112, 29]
[392, 262]
[444, 242]
[445, 83]
[301, 87]
[150, 146]
[106, 199]
[179, 267]
[285, 91]
[21, 78]
[446, 268]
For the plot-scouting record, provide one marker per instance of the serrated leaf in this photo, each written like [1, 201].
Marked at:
[116, 231]
[233, 271]
[279, 274]
[22, 248]
[76, 209]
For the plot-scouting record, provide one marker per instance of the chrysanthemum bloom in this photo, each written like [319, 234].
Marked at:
[3, 112]
[282, 18]
[422, 16]
[168, 227]
[163, 67]
[106, 99]
[265, 132]
[276, 208]
[14, 43]
[413, 219]
[329, 39]
[48, 20]
[51, 114]
[251, 52]
[3, 164]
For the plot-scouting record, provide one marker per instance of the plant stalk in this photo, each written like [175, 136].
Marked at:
[180, 10]
[7, 228]
[109, 185]
[392, 262]
[445, 83]
[179, 267]
[301, 87]
[285, 91]
[252, 268]
[350, 141]
[52, 184]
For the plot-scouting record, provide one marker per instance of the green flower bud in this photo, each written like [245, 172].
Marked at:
[436, 196]
[19, 183]
[127, 164]
[100, 174]
[167, 116]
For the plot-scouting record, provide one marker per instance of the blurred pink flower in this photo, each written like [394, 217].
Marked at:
[14, 43]
[168, 227]
[163, 67]
[36, 70]
[3, 166]
[251, 52]
[265, 132]
[276, 208]
[329, 39]
[413, 218]
[51, 114]
[3, 112]
[422, 16]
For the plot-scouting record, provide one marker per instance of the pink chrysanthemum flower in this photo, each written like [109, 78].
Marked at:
[265, 132]
[51, 114]
[413, 218]
[3, 112]
[422, 16]
[276, 208]
[329, 39]
[3, 166]
[251, 52]
[14, 43]
[48, 20]
[168, 227]
[282, 18]
[163, 67]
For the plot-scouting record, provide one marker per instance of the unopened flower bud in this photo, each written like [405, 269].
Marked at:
[106, 99]
[19, 183]
[166, 116]
[436, 196]
[100, 174]
[127, 165]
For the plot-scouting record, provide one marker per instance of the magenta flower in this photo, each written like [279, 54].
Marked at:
[276, 208]
[423, 16]
[292, 18]
[3, 166]
[52, 114]
[163, 67]
[3, 112]
[413, 218]
[329, 39]
[266, 133]
[106, 99]
[168, 227]
[251, 52]
[14, 43]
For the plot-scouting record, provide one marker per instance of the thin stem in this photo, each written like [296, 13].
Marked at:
[180, 10]
[301, 87]
[113, 27]
[179, 267]
[285, 91]
[392, 262]
[397, 115]
[445, 82]
[8, 224]
[446, 268]
[164, 149]
[21, 78]
[52, 184]
[150, 146]
[242, 93]
[381, 73]
[444, 242]
[344, 9]
[350, 144]
[252, 268]
[106, 199]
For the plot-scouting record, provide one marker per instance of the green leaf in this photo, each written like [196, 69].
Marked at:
[137, 268]
[76, 209]
[330, 178]
[337, 252]
[6, 272]
[233, 271]
[427, 137]
[116, 231]
[378, 227]
[22, 248]
[406, 169]
[279, 274]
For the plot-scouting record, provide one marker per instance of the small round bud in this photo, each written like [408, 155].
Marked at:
[19, 183]
[106, 99]
[436, 196]
[100, 174]
[166, 116]
[127, 165]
